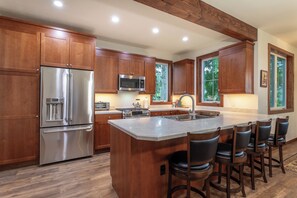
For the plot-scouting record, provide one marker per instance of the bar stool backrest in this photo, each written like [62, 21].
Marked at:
[241, 139]
[262, 133]
[281, 129]
[202, 147]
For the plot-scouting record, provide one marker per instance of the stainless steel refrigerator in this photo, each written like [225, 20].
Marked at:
[66, 114]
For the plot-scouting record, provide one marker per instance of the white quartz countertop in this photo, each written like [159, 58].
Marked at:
[159, 128]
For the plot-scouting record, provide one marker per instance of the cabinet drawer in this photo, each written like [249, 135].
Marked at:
[103, 118]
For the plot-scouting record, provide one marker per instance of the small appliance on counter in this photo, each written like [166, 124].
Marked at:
[134, 112]
[102, 106]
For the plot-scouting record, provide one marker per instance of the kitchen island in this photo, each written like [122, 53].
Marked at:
[140, 149]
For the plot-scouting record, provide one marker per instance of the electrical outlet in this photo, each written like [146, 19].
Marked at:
[162, 169]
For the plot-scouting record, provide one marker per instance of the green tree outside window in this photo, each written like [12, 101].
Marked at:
[210, 76]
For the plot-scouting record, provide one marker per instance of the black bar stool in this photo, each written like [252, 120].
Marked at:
[233, 155]
[194, 164]
[257, 148]
[278, 140]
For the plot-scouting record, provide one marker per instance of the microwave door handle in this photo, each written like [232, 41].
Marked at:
[70, 97]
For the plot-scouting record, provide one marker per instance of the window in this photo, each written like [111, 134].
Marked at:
[281, 69]
[162, 95]
[277, 81]
[208, 80]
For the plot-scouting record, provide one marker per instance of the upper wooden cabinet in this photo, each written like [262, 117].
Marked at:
[150, 75]
[236, 68]
[131, 65]
[19, 50]
[59, 49]
[106, 71]
[183, 77]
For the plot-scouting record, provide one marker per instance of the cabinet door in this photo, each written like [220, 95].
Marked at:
[55, 49]
[124, 66]
[236, 68]
[102, 131]
[179, 79]
[106, 74]
[82, 53]
[150, 77]
[19, 50]
[19, 93]
[137, 67]
[190, 78]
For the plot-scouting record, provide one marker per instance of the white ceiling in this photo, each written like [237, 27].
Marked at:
[136, 22]
[277, 17]
[93, 16]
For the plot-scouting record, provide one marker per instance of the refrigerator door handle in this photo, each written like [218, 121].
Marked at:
[85, 128]
[70, 110]
[67, 97]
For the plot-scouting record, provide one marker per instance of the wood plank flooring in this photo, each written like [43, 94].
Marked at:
[90, 178]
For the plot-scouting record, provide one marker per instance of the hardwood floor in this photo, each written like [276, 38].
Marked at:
[90, 178]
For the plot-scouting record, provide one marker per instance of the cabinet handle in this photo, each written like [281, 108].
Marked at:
[37, 116]
[70, 64]
[66, 64]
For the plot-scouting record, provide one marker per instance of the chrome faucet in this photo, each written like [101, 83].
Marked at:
[192, 112]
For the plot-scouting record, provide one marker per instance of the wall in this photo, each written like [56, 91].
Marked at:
[261, 63]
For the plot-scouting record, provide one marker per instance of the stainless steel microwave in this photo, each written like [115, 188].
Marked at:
[131, 83]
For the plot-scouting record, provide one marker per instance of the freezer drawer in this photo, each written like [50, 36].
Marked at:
[64, 143]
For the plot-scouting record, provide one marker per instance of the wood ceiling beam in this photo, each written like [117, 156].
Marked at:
[203, 14]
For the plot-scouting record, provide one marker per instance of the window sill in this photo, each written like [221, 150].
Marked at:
[161, 103]
[278, 111]
[210, 104]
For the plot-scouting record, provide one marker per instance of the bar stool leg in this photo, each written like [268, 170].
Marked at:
[188, 188]
[281, 160]
[220, 173]
[241, 167]
[270, 161]
[228, 180]
[169, 185]
[252, 172]
[263, 168]
[207, 191]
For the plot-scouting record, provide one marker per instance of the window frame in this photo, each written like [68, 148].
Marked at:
[199, 84]
[289, 84]
[169, 63]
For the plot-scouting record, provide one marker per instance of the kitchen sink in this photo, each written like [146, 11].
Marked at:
[187, 117]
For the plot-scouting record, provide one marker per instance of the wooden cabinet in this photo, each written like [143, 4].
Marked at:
[106, 71]
[102, 133]
[183, 77]
[131, 65]
[19, 50]
[236, 68]
[167, 113]
[59, 49]
[150, 76]
[19, 122]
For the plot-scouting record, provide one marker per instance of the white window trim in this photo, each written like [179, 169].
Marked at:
[202, 80]
[275, 83]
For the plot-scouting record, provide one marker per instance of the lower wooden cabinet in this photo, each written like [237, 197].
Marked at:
[102, 134]
[167, 113]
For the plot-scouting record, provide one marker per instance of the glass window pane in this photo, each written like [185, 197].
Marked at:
[210, 74]
[161, 94]
[272, 80]
[281, 82]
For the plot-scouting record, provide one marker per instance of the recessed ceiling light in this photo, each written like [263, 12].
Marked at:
[185, 39]
[115, 19]
[58, 4]
[155, 30]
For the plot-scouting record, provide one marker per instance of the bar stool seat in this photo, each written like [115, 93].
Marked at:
[179, 161]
